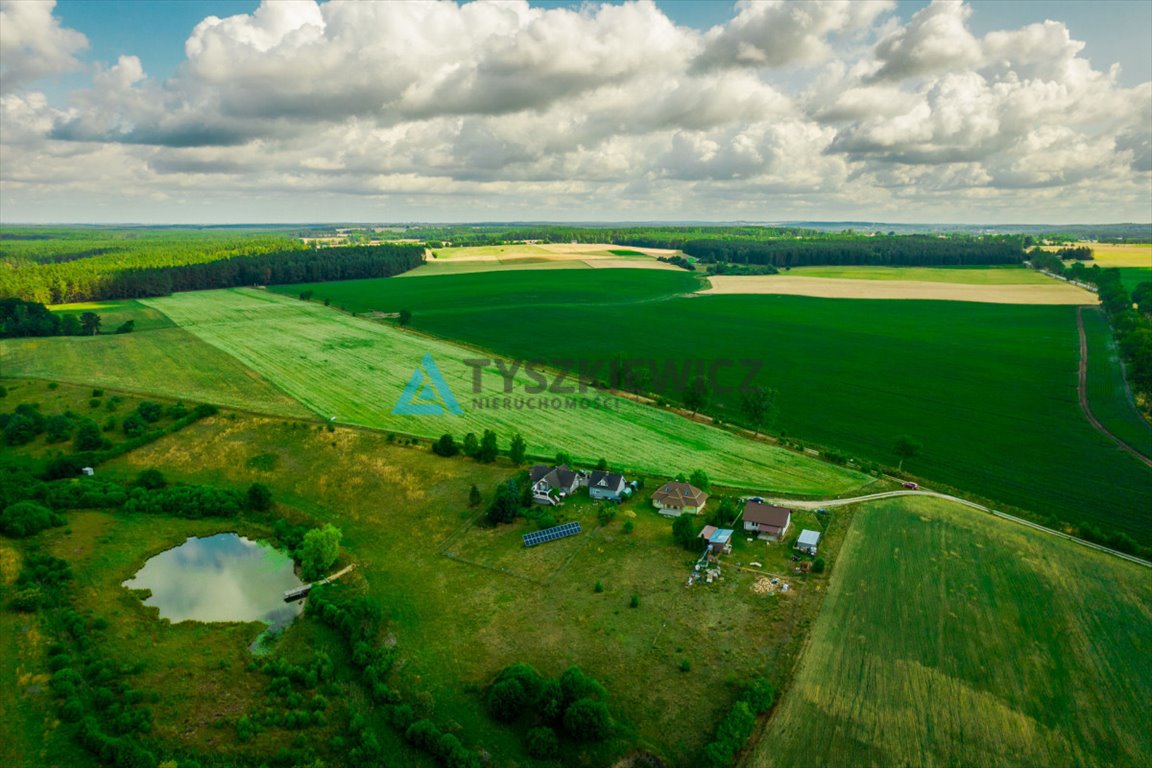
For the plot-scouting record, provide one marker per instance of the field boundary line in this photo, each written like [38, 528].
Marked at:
[806, 504]
[1082, 394]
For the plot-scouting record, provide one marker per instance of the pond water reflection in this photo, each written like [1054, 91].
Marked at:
[225, 577]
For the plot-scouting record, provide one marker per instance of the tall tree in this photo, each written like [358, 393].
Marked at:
[518, 449]
[759, 406]
[319, 550]
[697, 394]
[489, 450]
[906, 447]
[90, 323]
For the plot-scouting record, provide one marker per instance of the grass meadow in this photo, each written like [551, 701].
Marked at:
[989, 390]
[114, 313]
[463, 601]
[951, 638]
[1133, 276]
[355, 370]
[167, 362]
[1108, 393]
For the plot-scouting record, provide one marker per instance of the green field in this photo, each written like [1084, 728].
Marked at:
[462, 602]
[1133, 276]
[501, 290]
[504, 266]
[113, 313]
[1008, 275]
[1108, 393]
[355, 370]
[168, 362]
[951, 638]
[990, 390]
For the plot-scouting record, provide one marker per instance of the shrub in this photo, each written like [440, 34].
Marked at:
[760, 695]
[598, 588]
[474, 498]
[606, 514]
[133, 425]
[445, 446]
[542, 743]
[260, 498]
[58, 428]
[635, 601]
[574, 685]
[26, 518]
[628, 526]
[151, 479]
[588, 720]
[149, 411]
[818, 565]
[685, 666]
[545, 521]
[506, 700]
[88, 437]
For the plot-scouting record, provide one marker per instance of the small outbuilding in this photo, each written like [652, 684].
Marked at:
[675, 499]
[88, 471]
[719, 539]
[768, 522]
[808, 541]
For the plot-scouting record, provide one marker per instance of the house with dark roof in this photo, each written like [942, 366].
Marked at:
[606, 485]
[546, 479]
[766, 521]
[675, 499]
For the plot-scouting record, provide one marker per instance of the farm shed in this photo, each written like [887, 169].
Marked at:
[675, 499]
[808, 541]
[606, 485]
[546, 479]
[767, 521]
[719, 539]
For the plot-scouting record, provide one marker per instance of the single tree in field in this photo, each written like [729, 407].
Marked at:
[905, 448]
[489, 450]
[404, 317]
[759, 406]
[697, 394]
[90, 323]
[684, 531]
[445, 446]
[518, 449]
[474, 497]
[471, 445]
[319, 551]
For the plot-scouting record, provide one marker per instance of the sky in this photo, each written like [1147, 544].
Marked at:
[236, 111]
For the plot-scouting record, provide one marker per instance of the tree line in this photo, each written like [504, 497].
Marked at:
[1129, 315]
[904, 250]
[98, 278]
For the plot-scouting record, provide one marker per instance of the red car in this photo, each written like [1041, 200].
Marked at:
[913, 486]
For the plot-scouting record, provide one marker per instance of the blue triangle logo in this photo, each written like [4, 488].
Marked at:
[427, 394]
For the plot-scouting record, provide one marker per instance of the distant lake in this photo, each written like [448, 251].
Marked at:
[225, 577]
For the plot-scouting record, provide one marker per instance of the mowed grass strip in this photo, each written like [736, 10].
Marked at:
[951, 638]
[355, 371]
[513, 289]
[1108, 393]
[990, 390]
[168, 362]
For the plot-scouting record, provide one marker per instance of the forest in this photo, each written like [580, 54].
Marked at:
[53, 266]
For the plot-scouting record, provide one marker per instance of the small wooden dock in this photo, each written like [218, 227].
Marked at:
[300, 593]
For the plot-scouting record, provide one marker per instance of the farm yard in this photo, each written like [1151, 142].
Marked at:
[458, 618]
[896, 674]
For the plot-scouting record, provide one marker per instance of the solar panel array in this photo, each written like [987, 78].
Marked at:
[551, 534]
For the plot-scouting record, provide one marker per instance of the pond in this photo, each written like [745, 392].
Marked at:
[225, 577]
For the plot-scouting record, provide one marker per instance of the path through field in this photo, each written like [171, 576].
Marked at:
[1082, 394]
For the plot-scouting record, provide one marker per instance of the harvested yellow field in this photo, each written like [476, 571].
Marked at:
[487, 258]
[1113, 255]
[834, 288]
